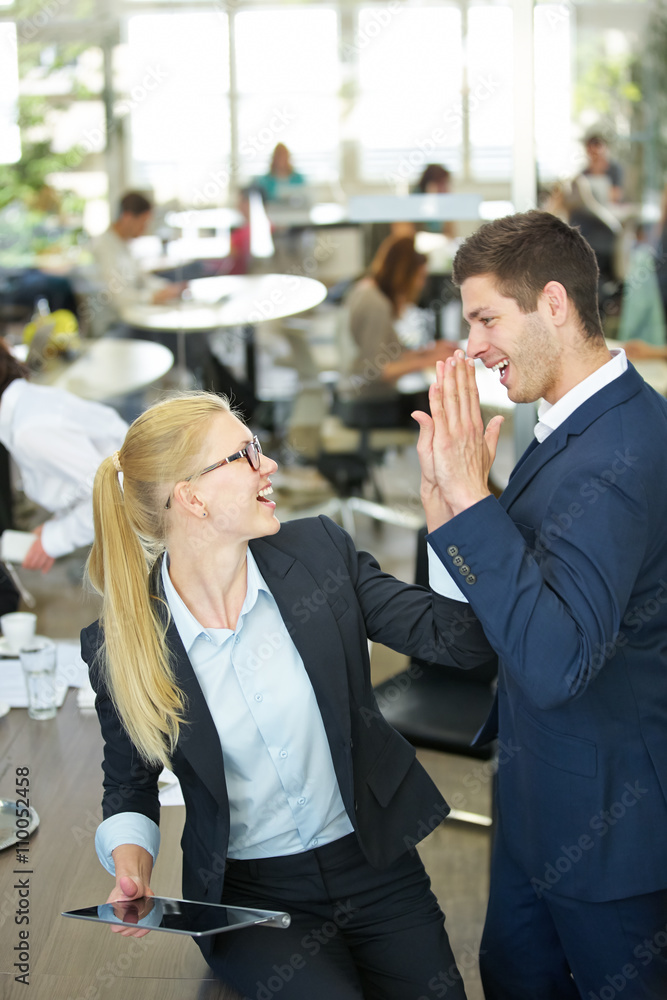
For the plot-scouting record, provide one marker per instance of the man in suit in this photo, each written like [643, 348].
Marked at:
[567, 573]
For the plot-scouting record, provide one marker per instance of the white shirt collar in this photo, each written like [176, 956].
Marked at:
[187, 625]
[550, 416]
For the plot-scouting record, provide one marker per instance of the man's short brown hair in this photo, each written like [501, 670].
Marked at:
[524, 252]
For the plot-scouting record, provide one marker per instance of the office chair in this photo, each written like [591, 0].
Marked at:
[440, 708]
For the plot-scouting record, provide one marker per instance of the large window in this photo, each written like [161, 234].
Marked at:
[60, 159]
[490, 53]
[408, 111]
[365, 91]
[288, 81]
[554, 127]
[174, 79]
[10, 138]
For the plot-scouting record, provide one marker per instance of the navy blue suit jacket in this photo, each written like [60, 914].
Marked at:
[568, 575]
[332, 598]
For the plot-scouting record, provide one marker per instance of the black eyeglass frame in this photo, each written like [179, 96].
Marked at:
[252, 446]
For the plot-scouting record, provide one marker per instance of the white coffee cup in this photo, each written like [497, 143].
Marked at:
[18, 628]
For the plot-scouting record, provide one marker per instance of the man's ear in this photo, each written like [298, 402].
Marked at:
[556, 299]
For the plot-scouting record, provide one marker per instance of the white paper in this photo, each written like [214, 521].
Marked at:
[71, 671]
[14, 545]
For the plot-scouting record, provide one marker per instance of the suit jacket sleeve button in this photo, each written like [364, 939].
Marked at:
[458, 560]
[464, 570]
[471, 578]
[452, 551]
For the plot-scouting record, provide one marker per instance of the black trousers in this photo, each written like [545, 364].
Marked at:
[356, 933]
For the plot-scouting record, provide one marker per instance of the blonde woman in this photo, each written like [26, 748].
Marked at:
[235, 651]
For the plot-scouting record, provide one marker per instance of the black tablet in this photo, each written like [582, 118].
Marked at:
[180, 916]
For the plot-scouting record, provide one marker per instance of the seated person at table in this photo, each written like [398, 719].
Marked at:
[57, 441]
[125, 284]
[239, 259]
[124, 281]
[436, 179]
[396, 279]
[206, 658]
[595, 192]
[282, 178]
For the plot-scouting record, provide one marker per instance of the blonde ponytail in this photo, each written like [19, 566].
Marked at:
[161, 448]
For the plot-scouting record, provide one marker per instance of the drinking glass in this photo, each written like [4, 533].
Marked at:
[39, 670]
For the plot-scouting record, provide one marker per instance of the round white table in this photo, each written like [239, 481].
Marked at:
[229, 300]
[110, 368]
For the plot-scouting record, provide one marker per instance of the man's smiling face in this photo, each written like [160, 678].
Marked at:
[525, 346]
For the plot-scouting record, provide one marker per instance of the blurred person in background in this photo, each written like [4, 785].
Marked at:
[281, 178]
[375, 356]
[124, 281]
[660, 242]
[605, 175]
[57, 440]
[642, 313]
[436, 179]
[595, 192]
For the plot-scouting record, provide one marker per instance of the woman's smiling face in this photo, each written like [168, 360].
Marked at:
[235, 497]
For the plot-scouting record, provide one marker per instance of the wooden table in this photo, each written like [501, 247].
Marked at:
[74, 959]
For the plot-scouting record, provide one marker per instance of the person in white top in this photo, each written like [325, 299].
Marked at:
[57, 441]
[124, 282]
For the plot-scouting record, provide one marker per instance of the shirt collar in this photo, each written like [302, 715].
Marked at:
[550, 416]
[189, 629]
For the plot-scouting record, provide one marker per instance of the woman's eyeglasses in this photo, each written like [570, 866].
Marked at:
[252, 453]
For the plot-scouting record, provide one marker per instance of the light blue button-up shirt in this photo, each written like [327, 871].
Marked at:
[281, 784]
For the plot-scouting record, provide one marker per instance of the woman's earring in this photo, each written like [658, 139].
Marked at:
[204, 514]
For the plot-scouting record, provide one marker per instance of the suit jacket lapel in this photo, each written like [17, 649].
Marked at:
[537, 455]
[530, 463]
